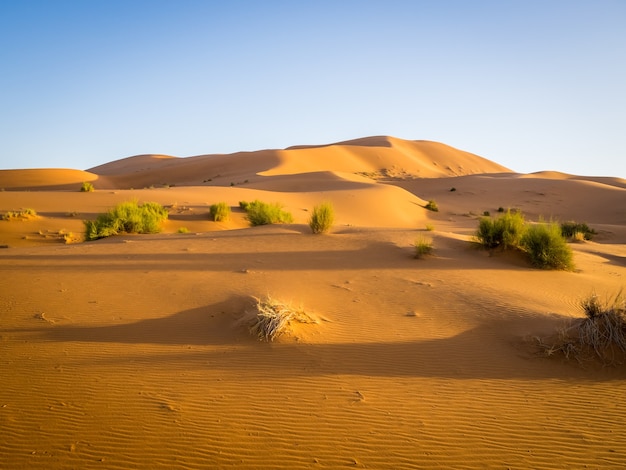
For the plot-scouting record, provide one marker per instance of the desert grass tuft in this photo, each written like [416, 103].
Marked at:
[263, 213]
[423, 247]
[128, 217]
[220, 212]
[503, 232]
[546, 247]
[86, 187]
[572, 230]
[272, 318]
[20, 215]
[600, 334]
[432, 206]
[322, 218]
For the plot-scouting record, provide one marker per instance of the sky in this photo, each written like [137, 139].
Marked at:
[532, 85]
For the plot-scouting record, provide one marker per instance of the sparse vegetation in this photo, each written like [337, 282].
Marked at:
[601, 334]
[429, 227]
[546, 247]
[86, 187]
[183, 230]
[452, 189]
[502, 232]
[262, 213]
[127, 217]
[432, 206]
[220, 212]
[272, 318]
[571, 229]
[24, 214]
[423, 246]
[322, 218]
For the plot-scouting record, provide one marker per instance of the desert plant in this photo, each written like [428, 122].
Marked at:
[500, 209]
[546, 247]
[570, 229]
[21, 215]
[423, 246]
[183, 230]
[429, 227]
[432, 206]
[271, 318]
[322, 218]
[452, 189]
[220, 212]
[263, 213]
[502, 232]
[87, 187]
[129, 217]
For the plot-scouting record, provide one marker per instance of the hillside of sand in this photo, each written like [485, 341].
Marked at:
[134, 351]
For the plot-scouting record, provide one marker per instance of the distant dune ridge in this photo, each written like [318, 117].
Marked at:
[134, 351]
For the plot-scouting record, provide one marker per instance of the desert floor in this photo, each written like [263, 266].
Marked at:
[134, 351]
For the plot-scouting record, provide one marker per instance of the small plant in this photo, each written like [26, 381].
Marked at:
[322, 218]
[546, 247]
[432, 206]
[262, 213]
[579, 237]
[272, 318]
[452, 189]
[503, 232]
[602, 333]
[183, 230]
[20, 215]
[244, 205]
[220, 212]
[423, 246]
[570, 229]
[128, 217]
[486, 214]
[430, 227]
[500, 209]
[86, 187]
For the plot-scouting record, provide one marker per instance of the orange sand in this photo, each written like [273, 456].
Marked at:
[130, 352]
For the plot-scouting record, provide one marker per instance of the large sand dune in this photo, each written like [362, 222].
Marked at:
[133, 352]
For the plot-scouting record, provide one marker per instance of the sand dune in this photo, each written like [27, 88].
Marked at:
[133, 351]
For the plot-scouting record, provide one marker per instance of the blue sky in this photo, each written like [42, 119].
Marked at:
[532, 85]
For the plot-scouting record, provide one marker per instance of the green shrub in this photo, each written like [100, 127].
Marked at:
[183, 230]
[322, 218]
[432, 206]
[87, 187]
[128, 217]
[220, 212]
[23, 214]
[546, 247]
[570, 229]
[423, 246]
[263, 213]
[503, 232]
[429, 227]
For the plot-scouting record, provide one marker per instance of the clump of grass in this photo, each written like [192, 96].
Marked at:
[600, 334]
[20, 215]
[546, 247]
[86, 187]
[432, 206]
[322, 218]
[429, 227]
[452, 189]
[571, 229]
[503, 232]
[220, 212]
[128, 217]
[272, 318]
[263, 213]
[183, 230]
[423, 247]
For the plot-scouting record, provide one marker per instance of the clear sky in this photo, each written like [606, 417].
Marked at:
[532, 85]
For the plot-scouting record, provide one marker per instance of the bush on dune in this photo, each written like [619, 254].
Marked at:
[322, 218]
[127, 217]
[546, 247]
[502, 232]
[220, 212]
[263, 213]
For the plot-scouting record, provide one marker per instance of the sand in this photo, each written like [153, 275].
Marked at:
[133, 351]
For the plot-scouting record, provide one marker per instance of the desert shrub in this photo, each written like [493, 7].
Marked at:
[546, 247]
[432, 206]
[503, 232]
[429, 227]
[220, 212]
[322, 218]
[423, 246]
[263, 213]
[452, 189]
[500, 209]
[570, 229]
[271, 318]
[486, 214]
[601, 333]
[87, 187]
[183, 230]
[128, 217]
[244, 205]
[20, 215]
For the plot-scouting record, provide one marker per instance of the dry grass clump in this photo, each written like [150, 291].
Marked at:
[220, 212]
[601, 334]
[322, 218]
[24, 214]
[87, 187]
[423, 247]
[272, 318]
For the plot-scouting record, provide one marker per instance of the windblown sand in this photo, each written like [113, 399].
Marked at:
[132, 351]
